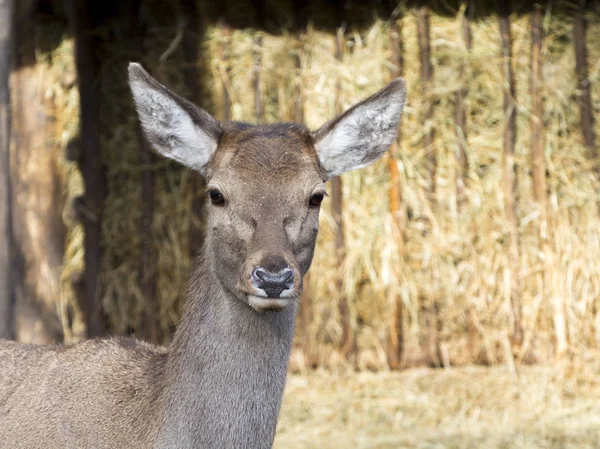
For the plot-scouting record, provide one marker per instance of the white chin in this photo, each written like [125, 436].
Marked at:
[267, 304]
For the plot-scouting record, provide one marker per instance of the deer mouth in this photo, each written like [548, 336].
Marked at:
[265, 304]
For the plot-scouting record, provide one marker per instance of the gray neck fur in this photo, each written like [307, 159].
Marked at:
[226, 371]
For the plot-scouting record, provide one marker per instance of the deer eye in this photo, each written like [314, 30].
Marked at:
[216, 197]
[316, 199]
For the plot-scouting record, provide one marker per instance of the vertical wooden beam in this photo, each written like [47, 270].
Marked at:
[37, 192]
[538, 164]
[426, 70]
[6, 287]
[194, 31]
[298, 100]
[538, 168]
[460, 122]
[395, 334]
[147, 262]
[91, 166]
[509, 173]
[306, 311]
[148, 272]
[257, 56]
[460, 114]
[584, 96]
[347, 341]
[224, 55]
[259, 110]
[431, 309]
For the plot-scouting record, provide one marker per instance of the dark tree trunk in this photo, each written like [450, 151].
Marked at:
[510, 179]
[347, 339]
[395, 343]
[6, 287]
[584, 97]
[91, 166]
[460, 117]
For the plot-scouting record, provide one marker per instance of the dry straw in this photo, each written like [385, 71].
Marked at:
[461, 259]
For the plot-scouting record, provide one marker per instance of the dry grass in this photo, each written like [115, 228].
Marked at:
[459, 408]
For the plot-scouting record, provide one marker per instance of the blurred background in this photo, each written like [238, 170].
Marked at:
[472, 246]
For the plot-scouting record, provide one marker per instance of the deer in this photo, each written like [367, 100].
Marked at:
[220, 382]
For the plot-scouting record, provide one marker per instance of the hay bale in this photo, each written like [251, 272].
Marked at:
[460, 260]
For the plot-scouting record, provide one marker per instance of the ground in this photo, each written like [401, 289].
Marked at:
[470, 407]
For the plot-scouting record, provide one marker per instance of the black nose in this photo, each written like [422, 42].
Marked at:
[273, 283]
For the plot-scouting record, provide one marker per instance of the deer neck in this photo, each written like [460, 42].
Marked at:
[226, 371]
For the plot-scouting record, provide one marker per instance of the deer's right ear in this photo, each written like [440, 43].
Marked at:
[175, 127]
[363, 133]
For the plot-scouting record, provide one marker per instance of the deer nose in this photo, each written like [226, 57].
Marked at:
[272, 283]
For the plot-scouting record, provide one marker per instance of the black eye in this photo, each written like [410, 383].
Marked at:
[216, 197]
[316, 199]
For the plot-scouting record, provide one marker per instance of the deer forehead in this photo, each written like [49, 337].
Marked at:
[277, 155]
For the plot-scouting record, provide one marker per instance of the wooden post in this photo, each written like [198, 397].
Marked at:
[395, 343]
[298, 100]
[431, 308]
[460, 122]
[538, 165]
[148, 257]
[423, 35]
[538, 168]
[584, 96]
[257, 56]
[6, 287]
[509, 174]
[147, 262]
[224, 51]
[306, 312]
[91, 166]
[37, 191]
[460, 114]
[347, 341]
[194, 30]
[259, 110]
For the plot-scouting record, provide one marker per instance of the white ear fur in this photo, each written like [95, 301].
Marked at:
[362, 134]
[175, 127]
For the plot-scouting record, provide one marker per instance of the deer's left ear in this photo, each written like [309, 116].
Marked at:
[363, 133]
[175, 127]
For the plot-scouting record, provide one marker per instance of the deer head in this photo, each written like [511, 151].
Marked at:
[265, 182]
